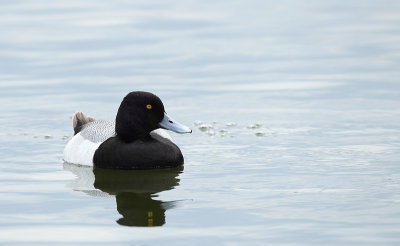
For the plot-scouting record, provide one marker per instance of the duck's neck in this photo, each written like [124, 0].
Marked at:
[131, 136]
[130, 128]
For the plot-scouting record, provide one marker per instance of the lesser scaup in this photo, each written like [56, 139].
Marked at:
[133, 141]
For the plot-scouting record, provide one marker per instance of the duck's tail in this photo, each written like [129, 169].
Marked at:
[78, 120]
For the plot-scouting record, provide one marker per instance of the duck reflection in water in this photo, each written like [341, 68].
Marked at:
[134, 191]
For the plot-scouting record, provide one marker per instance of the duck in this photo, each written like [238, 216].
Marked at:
[135, 140]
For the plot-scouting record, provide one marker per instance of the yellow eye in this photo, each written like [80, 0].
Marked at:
[148, 106]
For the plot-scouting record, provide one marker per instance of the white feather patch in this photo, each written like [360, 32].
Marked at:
[162, 133]
[80, 150]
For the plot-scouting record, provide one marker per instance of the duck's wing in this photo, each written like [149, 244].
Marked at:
[80, 149]
[98, 131]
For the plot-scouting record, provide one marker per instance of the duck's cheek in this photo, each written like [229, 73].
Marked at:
[152, 122]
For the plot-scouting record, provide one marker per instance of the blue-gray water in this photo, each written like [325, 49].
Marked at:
[294, 106]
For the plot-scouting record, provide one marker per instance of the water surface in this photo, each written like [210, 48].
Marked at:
[294, 106]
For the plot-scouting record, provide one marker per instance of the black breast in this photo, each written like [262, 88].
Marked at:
[149, 153]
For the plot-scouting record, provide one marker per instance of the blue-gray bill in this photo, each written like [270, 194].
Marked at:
[169, 124]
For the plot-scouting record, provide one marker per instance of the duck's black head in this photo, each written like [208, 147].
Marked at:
[140, 113]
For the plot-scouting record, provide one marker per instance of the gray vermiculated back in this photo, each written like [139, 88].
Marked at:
[98, 131]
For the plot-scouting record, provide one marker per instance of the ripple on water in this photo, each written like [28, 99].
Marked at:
[232, 129]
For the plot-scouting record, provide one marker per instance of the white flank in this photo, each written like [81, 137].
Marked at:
[80, 150]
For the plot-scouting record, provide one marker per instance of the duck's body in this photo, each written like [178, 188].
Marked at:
[151, 153]
[133, 141]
